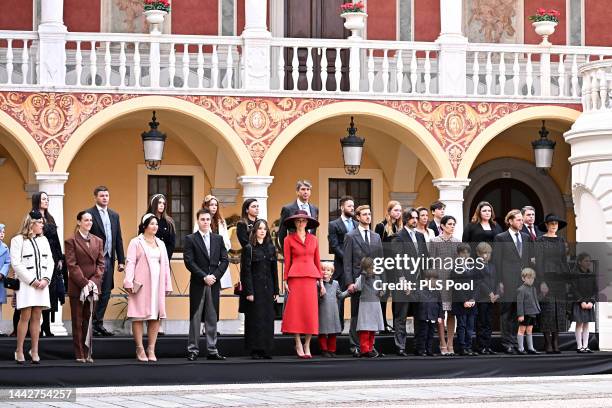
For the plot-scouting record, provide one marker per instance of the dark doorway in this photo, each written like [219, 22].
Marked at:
[315, 19]
[359, 189]
[505, 195]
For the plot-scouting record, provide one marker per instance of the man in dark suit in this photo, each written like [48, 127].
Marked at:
[437, 211]
[206, 258]
[358, 244]
[412, 243]
[338, 228]
[512, 252]
[106, 226]
[303, 191]
[529, 226]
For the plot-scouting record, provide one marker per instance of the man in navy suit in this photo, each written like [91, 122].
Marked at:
[412, 243]
[529, 226]
[358, 244]
[513, 251]
[338, 228]
[106, 226]
[303, 191]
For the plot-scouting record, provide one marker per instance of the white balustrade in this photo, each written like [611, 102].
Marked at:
[597, 85]
[375, 67]
[537, 72]
[17, 56]
[128, 61]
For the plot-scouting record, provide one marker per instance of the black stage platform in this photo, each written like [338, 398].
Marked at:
[115, 364]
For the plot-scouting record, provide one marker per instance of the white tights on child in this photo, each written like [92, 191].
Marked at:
[582, 335]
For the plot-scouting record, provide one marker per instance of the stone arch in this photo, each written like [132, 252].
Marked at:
[23, 143]
[425, 146]
[532, 113]
[223, 136]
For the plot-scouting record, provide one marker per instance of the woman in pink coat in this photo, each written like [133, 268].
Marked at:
[147, 281]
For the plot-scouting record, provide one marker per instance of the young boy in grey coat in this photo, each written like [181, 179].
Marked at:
[329, 318]
[527, 310]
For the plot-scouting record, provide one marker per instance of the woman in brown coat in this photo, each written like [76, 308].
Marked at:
[85, 263]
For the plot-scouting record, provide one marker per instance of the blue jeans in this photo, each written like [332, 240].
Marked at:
[465, 328]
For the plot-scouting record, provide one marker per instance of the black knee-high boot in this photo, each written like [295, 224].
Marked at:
[45, 327]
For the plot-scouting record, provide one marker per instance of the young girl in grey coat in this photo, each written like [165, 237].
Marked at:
[329, 316]
[370, 318]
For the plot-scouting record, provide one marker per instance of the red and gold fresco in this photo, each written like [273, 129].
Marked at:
[51, 118]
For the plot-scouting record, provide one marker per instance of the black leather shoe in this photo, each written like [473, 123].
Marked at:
[464, 353]
[431, 354]
[331, 354]
[256, 356]
[588, 350]
[510, 350]
[356, 353]
[191, 356]
[402, 353]
[3, 334]
[215, 356]
[370, 354]
[105, 333]
[533, 352]
[522, 352]
[491, 352]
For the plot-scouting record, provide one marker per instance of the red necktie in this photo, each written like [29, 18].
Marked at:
[532, 233]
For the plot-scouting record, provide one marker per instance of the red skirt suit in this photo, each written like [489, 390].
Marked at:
[302, 270]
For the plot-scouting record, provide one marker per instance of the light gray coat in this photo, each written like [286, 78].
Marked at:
[329, 317]
[370, 316]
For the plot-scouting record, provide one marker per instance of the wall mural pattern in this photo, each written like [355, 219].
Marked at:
[51, 118]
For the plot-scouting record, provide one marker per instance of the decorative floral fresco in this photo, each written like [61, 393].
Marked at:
[493, 21]
[51, 118]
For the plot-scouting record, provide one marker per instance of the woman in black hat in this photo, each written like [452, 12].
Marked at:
[301, 275]
[551, 265]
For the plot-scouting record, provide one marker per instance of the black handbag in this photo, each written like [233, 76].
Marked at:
[11, 283]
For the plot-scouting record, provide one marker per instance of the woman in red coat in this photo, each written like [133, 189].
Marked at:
[302, 278]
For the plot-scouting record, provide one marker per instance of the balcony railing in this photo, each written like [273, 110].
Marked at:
[597, 87]
[363, 68]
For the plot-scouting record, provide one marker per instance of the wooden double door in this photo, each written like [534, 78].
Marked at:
[315, 19]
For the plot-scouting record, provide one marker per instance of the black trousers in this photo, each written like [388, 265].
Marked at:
[107, 287]
[509, 324]
[484, 325]
[424, 336]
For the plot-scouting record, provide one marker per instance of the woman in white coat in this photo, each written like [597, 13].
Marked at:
[33, 264]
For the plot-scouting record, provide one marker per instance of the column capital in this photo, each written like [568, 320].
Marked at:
[51, 177]
[406, 199]
[255, 180]
[226, 196]
[451, 184]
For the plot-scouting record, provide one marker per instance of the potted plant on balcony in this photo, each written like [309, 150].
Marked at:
[544, 23]
[155, 11]
[354, 15]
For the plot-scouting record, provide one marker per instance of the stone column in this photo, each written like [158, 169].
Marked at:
[257, 187]
[256, 57]
[453, 49]
[53, 185]
[52, 44]
[451, 194]
[405, 199]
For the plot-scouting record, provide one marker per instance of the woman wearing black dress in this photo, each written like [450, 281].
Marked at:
[166, 230]
[482, 227]
[552, 267]
[250, 211]
[57, 289]
[584, 292]
[259, 277]
[387, 229]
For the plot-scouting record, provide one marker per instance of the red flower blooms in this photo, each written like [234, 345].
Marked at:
[350, 7]
[545, 15]
[163, 5]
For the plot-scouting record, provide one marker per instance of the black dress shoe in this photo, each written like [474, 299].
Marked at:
[464, 353]
[510, 350]
[491, 352]
[256, 356]
[431, 354]
[331, 354]
[356, 353]
[3, 334]
[266, 356]
[588, 350]
[370, 354]
[191, 356]
[402, 353]
[556, 351]
[103, 332]
[522, 352]
[215, 356]
[533, 352]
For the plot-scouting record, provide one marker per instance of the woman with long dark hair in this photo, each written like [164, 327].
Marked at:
[57, 288]
[218, 226]
[248, 216]
[482, 226]
[259, 277]
[166, 230]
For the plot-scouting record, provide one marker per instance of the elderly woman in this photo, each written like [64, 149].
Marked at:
[147, 281]
[5, 262]
[85, 262]
[302, 275]
[444, 246]
[553, 272]
[33, 264]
